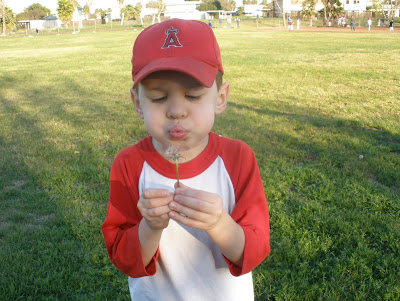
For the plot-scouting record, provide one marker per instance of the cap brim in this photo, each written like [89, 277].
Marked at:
[202, 72]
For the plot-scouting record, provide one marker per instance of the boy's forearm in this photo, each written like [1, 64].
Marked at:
[149, 240]
[230, 239]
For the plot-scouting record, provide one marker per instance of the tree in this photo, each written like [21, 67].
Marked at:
[248, 2]
[282, 11]
[86, 11]
[65, 11]
[121, 11]
[86, 8]
[240, 10]
[326, 9]
[332, 8]
[74, 3]
[130, 11]
[308, 9]
[337, 9]
[228, 5]
[121, 4]
[102, 13]
[34, 12]
[209, 5]
[393, 4]
[267, 5]
[377, 7]
[159, 5]
[3, 17]
[7, 18]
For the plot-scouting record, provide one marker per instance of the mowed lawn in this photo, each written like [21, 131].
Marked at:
[320, 110]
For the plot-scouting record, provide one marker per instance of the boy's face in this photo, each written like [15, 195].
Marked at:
[178, 112]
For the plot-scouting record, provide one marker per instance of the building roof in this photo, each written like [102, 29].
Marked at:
[49, 18]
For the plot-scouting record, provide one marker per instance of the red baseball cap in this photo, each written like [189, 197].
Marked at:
[178, 45]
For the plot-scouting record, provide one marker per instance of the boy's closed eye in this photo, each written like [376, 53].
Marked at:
[193, 96]
[158, 99]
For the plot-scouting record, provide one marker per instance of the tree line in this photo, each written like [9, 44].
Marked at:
[332, 9]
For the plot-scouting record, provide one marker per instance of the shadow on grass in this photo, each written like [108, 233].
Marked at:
[50, 241]
[351, 138]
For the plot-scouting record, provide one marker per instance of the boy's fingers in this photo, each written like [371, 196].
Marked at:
[185, 220]
[157, 202]
[152, 193]
[195, 194]
[193, 208]
[181, 185]
[159, 211]
[192, 203]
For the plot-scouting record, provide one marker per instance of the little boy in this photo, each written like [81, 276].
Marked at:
[199, 238]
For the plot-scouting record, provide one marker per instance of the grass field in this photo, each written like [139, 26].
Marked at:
[320, 110]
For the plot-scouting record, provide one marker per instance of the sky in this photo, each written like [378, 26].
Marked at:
[18, 6]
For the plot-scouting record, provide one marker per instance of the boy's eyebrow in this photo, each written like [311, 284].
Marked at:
[199, 87]
[155, 89]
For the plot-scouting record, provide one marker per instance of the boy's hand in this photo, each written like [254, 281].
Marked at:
[196, 208]
[204, 211]
[153, 205]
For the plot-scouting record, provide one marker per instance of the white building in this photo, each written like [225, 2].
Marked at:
[253, 10]
[183, 9]
[46, 23]
[355, 5]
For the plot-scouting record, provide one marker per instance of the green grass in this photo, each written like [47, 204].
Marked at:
[309, 104]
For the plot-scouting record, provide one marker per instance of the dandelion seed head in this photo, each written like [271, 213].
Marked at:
[171, 151]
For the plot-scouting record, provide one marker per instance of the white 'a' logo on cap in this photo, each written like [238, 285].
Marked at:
[171, 39]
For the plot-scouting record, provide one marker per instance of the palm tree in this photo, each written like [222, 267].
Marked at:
[283, 12]
[75, 4]
[337, 9]
[121, 12]
[121, 4]
[159, 5]
[308, 9]
[89, 4]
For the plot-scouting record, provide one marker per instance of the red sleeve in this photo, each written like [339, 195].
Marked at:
[251, 209]
[120, 228]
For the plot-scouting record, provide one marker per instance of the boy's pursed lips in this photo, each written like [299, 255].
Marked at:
[177, 132]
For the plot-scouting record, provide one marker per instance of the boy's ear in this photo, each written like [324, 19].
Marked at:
[136, 103]
[223, 94]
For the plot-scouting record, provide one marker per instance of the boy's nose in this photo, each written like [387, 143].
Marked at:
[176, 109]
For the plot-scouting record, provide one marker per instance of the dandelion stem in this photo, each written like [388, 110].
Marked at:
[173, 155]
[177, 171]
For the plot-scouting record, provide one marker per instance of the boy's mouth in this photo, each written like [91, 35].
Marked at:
[177, 133]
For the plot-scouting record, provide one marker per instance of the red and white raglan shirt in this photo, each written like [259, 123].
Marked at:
[187, 265]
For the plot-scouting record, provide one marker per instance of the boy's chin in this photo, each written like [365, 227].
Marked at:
[173, 149]
[169, 149]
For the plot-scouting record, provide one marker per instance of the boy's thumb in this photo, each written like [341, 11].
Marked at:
[179, 185]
